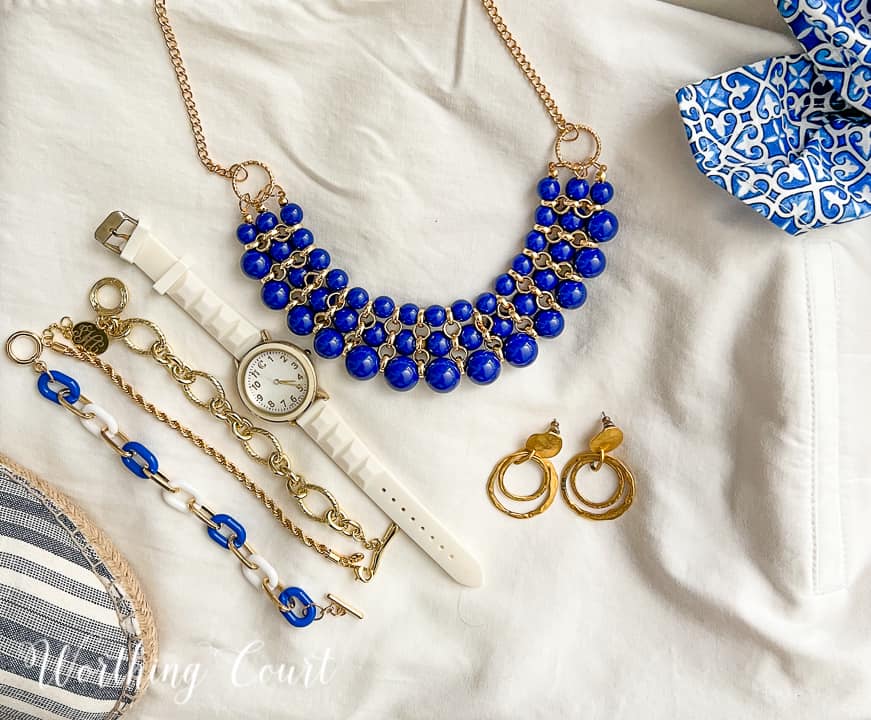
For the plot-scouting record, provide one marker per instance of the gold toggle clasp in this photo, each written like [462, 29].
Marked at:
[115, 227]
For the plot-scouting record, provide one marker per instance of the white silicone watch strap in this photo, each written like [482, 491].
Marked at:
[336, 438]
[172, 276]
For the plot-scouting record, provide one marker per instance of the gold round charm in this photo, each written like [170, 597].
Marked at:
[90, 338]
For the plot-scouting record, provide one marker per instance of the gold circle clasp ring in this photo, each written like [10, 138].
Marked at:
[94, 296]
[572, 133]
[610, 509]
[546, 489]
[240, 174]
[17, 337]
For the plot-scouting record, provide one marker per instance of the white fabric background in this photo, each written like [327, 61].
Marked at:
[736, 358]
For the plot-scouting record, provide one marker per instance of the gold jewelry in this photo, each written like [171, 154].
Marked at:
[604, 442]
[539, 448]
[242, 428]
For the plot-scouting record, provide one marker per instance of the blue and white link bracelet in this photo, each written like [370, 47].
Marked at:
[791, 136]
[292, 602]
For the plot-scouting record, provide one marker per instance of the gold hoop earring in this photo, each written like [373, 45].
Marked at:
[618, 503]
[539, 448]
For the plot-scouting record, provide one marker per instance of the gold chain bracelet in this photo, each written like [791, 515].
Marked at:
[242, 428]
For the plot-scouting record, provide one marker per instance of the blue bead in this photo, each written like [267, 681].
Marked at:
[562, 251]
[577, 188]
[549, 323]
[337, 279]
[73, 391]
[329, 343]
[401, 373]
[571, 294]
[302, 238]
[545, 280]
[362, 362]
[291, 214]
[294, 597]
[525, 304]
[470, 338]
[265, 222]
[486, 303]
[297, 277]
[318, 299]
[438, 344]
[435, 316]
[246, 233]
[483, 367]
[602, 226]
[301, 320]
[571, 221]
[345, 319]
[504, 285]
[138, 450]
[502, 327]
[601, 192]
[548, 188]
[318, 259]
[276, 294]
[383, 306]
[545, 216]
[280, 251]
[357, 298]
[239, 534]
[590, 262]
[522, 265]
[375, 335]
[255, 264]
[536, 241]
[442, 375]
[405, 342]
[408, 314]
[462, 310]
[520, 349]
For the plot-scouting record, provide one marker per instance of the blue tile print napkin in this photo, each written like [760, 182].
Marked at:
[791, 136]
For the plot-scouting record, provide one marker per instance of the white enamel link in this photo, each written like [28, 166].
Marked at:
[265, 571]
[181, 499]
[103, 421]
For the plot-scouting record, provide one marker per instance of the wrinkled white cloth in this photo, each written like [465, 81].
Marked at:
[736, 359]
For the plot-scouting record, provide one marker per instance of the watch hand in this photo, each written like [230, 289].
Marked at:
[288, 382]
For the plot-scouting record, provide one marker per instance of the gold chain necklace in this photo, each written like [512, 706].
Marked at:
[236, 171]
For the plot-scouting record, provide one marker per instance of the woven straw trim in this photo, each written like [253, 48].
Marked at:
[113, 560]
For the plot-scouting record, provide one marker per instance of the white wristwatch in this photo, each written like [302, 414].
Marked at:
[277, 382]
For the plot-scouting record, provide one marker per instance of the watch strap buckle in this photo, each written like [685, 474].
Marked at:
[116, 230]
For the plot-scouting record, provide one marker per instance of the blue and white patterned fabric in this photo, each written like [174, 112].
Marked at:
[791, 136]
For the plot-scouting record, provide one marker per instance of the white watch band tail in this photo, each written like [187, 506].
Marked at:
[336, 438]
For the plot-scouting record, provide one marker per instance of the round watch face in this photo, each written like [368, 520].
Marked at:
[277, 381]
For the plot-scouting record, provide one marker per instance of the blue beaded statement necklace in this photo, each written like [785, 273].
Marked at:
[440, 343]
[437, 344]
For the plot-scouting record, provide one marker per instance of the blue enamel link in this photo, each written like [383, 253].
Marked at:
[138, 450]
[222, 520]
[290, 594]
[72, 387]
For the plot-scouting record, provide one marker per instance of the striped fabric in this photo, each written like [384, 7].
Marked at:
[70, 643]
